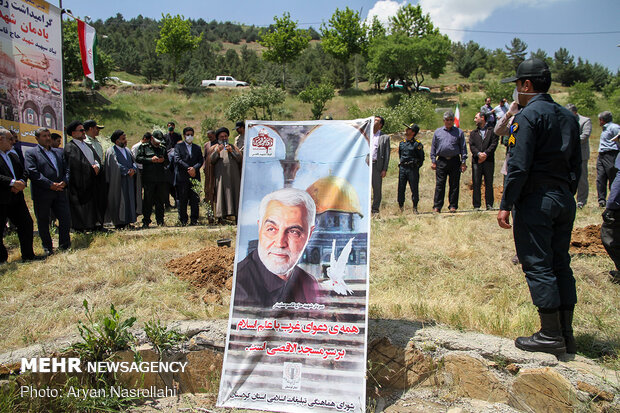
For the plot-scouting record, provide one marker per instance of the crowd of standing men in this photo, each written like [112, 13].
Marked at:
[85, 188]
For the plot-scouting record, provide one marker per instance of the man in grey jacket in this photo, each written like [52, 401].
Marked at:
[585, 128]
[380, 151]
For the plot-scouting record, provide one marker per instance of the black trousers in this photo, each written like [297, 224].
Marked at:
[155, 193]
[17, 211]
[605, 173]
[478, 171]
[447, 169]
[58, 204]
[610, 235]
[543, 222]
[185, 195]
[408, 174]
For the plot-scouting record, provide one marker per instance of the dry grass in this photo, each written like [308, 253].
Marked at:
[455, 269]
[42, 300]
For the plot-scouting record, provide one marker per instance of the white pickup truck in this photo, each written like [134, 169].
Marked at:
[224, 81]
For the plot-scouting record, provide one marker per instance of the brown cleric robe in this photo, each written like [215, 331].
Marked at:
[227, 181]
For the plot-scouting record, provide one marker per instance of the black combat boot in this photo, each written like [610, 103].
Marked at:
[549, 339]
[566, 321]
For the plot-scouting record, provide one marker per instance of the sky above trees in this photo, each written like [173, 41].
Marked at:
[491, 24]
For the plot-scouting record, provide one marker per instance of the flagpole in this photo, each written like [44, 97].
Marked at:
[62, 78]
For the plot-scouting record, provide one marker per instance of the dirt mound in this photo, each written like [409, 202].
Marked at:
[498, 190]
[208, 270]
[587, 240]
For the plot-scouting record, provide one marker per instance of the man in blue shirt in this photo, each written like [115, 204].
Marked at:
[448, 157]
[607, 153]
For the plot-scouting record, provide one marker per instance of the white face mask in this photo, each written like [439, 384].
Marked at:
[189, 138]
[516, 93]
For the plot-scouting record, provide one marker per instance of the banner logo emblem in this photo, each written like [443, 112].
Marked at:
[262, 145]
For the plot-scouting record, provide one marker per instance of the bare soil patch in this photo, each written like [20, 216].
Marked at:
[208, 270]
[587, 241]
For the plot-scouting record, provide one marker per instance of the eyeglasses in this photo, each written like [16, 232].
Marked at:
[80, 130]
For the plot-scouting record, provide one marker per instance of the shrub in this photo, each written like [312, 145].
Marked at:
[318, 96]
[582, 95]
[263, 99]
[477, 75]
[496, 90]
[415, 108]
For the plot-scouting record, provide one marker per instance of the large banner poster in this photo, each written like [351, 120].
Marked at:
[298, 320]
[30, 67]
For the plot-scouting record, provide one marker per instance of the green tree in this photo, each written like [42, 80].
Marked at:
[284, 42]
[175, 39]
[410, 21]
[400, 57]
[318, 96]
[542, 55]
[414, 48]
[564, 68]
[516, 51]
[343, 37]
[467, 57]
[151, 68]
[582, 95]
[498, 62]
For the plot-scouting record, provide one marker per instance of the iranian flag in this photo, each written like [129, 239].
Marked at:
[88, 48]
[457, 117]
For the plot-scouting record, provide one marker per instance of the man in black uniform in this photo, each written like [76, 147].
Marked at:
[543, 172]
[411, 158]
[152, 155]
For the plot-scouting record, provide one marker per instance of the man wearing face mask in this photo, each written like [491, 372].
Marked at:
[542, 176]
[171, 138]
[188, 160]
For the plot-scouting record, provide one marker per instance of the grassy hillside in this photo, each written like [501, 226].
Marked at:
[142, 107]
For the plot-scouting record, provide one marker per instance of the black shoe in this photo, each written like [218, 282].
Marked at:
[490, 208]
[145, 225]
[566, 321]
[48, 251]
[34, 258]
[415, 211]
[548, 340]
[602, 204]
[614, 276]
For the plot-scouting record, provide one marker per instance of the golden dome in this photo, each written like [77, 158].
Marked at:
[335, 194]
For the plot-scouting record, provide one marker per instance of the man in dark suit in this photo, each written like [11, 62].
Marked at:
[49, 176]
[12, 203]
[482, 144]
[18, 147]
[188, 160]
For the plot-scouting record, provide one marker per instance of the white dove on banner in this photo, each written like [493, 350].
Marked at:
[337, 269]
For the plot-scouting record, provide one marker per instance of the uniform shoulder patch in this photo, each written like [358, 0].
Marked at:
[512, 140]
[514, 127]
